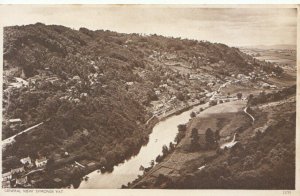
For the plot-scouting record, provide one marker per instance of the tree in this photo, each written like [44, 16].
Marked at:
[239, 95]
[194, 133]
[195, 139]
[213, 102]
[110, 155]
[165, 150]
[171, 146]
[103, 161]
[209, 138]
[152, 163]
[181, 128]
[193, 114]
[250, 97]
[180, 96]
[217, 135]
[50, 164]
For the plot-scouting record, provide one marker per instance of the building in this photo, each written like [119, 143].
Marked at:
[41, 162]
[17, 170]
[129, 83]
[6, 176]
[15, 121]
[76, 78]
[26, 161]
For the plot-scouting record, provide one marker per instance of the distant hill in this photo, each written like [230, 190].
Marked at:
[277, 47]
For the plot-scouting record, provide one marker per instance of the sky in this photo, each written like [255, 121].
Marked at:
[231, 26]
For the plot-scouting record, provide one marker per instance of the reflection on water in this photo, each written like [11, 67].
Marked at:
[163, 133]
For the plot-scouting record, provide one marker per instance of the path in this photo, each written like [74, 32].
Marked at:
[253, 119]
[12, 138]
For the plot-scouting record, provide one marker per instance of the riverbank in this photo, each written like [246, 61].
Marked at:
[252, 163]
[92, 171]
[225, 117]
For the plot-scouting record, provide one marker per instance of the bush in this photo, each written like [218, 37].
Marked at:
[193, 114]
[213, 102]
[239, 95]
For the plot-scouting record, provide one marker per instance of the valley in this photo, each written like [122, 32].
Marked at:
[83, 106]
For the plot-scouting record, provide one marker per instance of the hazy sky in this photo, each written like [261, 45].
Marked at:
[235, 27]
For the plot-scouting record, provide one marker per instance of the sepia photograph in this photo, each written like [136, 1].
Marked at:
[149, 97]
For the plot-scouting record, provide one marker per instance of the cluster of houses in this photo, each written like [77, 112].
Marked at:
[241, 78]
[18, 176]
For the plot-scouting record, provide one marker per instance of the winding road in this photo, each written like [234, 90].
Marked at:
[253, 119]
[218, 91]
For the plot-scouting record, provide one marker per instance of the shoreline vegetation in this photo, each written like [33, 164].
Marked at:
[150, 126]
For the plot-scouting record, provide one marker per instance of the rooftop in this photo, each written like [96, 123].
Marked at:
[15, 120]
[41, 160]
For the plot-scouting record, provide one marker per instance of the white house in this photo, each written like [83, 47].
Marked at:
[41, 162]
[17, 170]
[25, 160]
[16, 120]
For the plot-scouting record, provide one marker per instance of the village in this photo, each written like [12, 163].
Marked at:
[31, 172]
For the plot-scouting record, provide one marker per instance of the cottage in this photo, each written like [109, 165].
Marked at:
[163, 85]
[41, 162]
[210, 84]
[85, 132]
[76, 100]
[76, 78]
[6, 176]
[82, 95]
[241, 76]
[15, 121]
[266, 85]
[22, 81]
[17, 170]
[129, 83]
[26, 160]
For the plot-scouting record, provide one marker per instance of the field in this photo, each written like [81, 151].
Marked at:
[226, 117]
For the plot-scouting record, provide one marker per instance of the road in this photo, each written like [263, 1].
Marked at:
[12, 138]
[253, 119]
[218, 91]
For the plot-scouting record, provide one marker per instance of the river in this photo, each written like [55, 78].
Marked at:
[163, 133]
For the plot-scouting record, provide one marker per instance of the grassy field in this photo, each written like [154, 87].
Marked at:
[226, 117]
